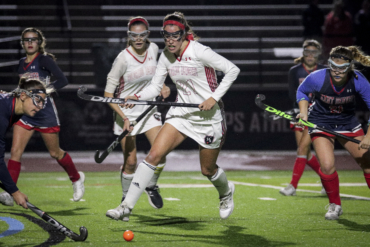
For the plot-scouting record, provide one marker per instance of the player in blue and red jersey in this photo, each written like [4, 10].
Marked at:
[28, 99]
[305, 65]
[40, 64]
[335, 91]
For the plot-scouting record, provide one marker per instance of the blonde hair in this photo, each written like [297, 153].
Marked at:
[180, 17]
[351, 53]
[308, 42]
[138, 22]
[41, 38]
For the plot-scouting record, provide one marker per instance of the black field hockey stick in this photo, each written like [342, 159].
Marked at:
[271, 110]
[58, 226]
[99, 158]
[93, 98]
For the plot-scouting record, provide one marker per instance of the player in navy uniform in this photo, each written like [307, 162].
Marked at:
[28, 99]
[39, 64]
[305, 65]
[335, 90]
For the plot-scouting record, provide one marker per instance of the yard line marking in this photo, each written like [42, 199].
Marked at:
[185, 186]
[172, 199]
[309, 191]
[267, 198]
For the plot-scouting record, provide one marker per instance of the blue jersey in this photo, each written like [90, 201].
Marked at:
[7, 119]
[43, 67]
[334, 105]
[296, 76]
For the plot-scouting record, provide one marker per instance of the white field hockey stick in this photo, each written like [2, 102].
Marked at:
[93, 98]
[99, 158]
[271, 110]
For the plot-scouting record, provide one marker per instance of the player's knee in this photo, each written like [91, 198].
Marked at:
[208, 172]
[130, 165]
[327, 168]
[16, 152]
[153, 157]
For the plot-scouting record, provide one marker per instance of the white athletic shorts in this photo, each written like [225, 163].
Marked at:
[210, 136]
[151, 120]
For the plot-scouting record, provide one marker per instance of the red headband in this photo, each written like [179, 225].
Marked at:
[189, 36]
[139, 19]
[174, 23]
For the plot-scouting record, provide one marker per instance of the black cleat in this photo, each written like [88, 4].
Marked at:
[154, 197]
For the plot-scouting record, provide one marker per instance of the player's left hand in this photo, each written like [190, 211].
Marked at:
[365, 143]
[133, 97]
[208, 104]
[165, 92]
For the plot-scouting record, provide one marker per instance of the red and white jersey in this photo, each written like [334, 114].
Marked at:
[194, 74]
[131, 73]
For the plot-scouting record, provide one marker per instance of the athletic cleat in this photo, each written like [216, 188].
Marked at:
[288, 191]
[6, 199]
[323, 191]
[121, 212]
[334, 211]
[123, 198]
[79, 187]
[227, 203]
[154, 198]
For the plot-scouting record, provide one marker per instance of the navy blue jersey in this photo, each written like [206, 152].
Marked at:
[296, 76]
[7, 119]
[43, 67]
[334, 105]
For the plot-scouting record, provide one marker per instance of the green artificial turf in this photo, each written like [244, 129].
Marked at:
[193, 220]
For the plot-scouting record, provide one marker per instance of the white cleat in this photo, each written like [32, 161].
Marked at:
[6, 199]
[334, 211]
[121, 212]
[79, 187]
[288, 191]
[227, 203]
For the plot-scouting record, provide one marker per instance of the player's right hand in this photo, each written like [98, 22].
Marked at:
[20, 198]
[132, 97]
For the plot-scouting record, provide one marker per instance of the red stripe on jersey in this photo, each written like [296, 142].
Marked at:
[182, 53]
[13, 110]
[30, 62]
[136, 58]
[309, 72]
[121, 86]
[211, 78]
[332, 85]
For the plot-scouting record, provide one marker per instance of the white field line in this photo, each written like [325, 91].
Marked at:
[309, 191]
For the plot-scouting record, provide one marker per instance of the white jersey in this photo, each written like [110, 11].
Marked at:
[131, 73]
[195, 78]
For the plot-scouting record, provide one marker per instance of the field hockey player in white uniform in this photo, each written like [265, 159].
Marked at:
[191, 67]
[131, 72]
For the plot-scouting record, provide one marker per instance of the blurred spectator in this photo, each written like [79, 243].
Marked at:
[338, 29]
[362, 27]
[312, 20]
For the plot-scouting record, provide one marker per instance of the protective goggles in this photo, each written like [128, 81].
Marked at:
[37, 100]
[314, 53]
[30, 40]
[341, 68]
[138, 36]
[172, 36]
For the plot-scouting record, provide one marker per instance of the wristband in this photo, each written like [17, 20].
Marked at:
[126, 119]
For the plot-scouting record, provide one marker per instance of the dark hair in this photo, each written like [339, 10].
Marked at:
[178, 16]
[41, 38]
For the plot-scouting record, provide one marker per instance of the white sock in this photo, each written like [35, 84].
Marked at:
[126, 180]
[157, 172]
[219, 180]
[144, 172]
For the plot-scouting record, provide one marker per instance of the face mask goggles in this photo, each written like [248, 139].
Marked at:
[138, 36]
[30, 40]
[314, 53]
[37, 100]
[176, 36]
[340, 68]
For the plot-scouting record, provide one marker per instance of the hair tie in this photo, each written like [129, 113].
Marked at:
[190, 36]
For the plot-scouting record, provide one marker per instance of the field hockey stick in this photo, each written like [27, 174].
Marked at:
[271, 110]
[93, 98]
[99, 158]
[58, 226]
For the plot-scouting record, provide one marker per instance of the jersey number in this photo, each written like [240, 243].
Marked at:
[186, 86]
[336, 108]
